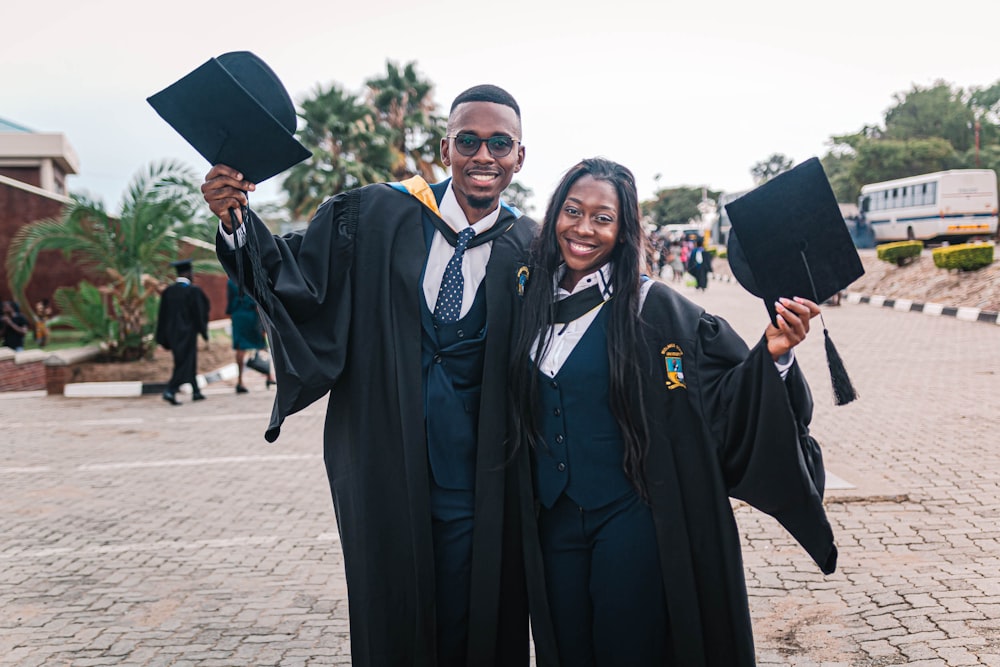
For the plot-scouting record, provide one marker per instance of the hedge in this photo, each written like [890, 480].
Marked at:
[900, 253]
[964, 257]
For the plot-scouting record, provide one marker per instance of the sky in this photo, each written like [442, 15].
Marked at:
[683, 93]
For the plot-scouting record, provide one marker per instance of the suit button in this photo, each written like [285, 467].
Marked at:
[461, 334]
[437, 358]
[559, 438]
[555, 385]
[557, 412]
[561, 467]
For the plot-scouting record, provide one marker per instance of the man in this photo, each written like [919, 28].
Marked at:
[183, 316]
[410, 336]
[700, 263]
[13, 326]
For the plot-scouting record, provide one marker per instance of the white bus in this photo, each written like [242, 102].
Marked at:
[946, 205]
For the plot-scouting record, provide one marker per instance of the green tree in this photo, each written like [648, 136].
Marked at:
[862, 160]
[928, 113]
[519, 196]
[122, 253]
[404, 108]
[838, 166]
[349, 150]
[928, 129]
[767, 169]
[674, 206]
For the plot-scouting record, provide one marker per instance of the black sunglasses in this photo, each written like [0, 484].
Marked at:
[498, 146]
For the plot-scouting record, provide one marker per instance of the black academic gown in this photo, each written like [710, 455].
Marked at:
[183, 316]
[730, 427]
[344, 318]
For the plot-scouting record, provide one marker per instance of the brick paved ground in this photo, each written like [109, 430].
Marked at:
[133, 532]
[918, 581]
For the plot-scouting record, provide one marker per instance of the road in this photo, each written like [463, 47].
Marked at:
[138, 533]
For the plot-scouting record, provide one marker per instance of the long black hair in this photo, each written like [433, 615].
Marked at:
[538, 317]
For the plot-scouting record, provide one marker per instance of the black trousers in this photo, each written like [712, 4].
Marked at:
[185, 355]
[605, 588]
[452, 513]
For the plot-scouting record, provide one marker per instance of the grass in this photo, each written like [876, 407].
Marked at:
[64, 339]
[59, 339]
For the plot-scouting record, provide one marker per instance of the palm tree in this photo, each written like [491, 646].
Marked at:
[348, 150]
[404, 104]
[122, 252]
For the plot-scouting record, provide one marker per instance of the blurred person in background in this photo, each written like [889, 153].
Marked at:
[14, 325]
[248, 331]
[182, 318]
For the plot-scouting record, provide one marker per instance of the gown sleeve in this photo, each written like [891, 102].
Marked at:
[307, 316]
[761, 426]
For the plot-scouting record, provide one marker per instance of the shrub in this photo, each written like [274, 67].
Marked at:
[964, 257]
[900, 253]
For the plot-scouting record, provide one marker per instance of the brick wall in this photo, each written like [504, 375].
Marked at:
[17, 208]
[24, 371]
[29, 175]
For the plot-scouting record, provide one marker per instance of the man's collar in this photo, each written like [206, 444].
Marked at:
[453, 214]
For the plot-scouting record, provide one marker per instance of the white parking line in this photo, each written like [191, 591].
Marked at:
[127, 465]
[166, 545]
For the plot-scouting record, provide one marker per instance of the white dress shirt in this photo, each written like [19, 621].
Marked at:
[565, 337]
[473, 262]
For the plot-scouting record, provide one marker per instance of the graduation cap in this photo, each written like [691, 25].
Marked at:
[182, 266]
[234, 110]
[789, 239]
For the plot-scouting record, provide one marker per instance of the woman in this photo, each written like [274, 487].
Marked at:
[248, 333]
[643, 414]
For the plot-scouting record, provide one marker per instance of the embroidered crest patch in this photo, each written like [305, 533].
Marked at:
[522, 280]
[672, 354]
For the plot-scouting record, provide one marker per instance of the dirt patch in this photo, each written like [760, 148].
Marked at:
[923, 282]
[211, 356]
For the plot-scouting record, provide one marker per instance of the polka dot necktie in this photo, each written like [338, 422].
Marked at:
[449, 301]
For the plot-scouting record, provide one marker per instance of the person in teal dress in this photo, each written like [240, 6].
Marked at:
[248, 332]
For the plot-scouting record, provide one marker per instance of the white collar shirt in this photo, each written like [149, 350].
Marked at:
[473, 262]
[565, 337]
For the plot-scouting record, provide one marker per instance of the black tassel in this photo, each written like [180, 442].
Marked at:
[251, 248]
[843, 390]
[261, 281]
[238, 255]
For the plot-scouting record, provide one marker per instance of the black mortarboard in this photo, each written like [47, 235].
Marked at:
[182, 266]
[235, 111]
[789, 239]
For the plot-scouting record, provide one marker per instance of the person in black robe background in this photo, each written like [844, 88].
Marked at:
[700, 263]
[183, 316]
[430, 534]
[644, 415]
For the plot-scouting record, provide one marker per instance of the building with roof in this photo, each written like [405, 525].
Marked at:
[34, 167]
[41, 159]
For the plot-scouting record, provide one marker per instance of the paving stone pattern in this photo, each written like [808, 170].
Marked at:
[133, 532]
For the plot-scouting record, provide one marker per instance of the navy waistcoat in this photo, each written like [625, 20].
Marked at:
[452, 357]
[582, 453]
